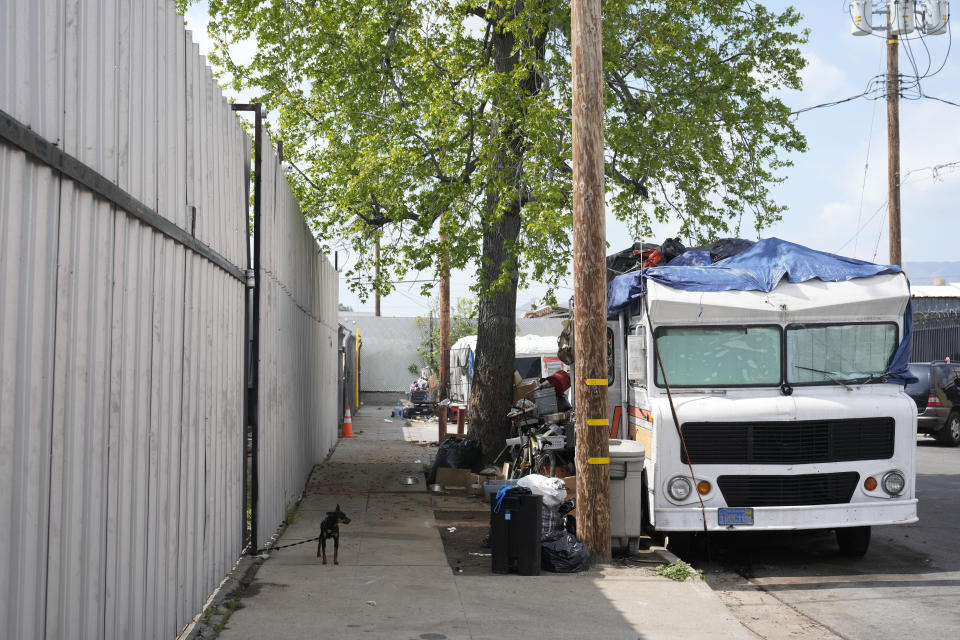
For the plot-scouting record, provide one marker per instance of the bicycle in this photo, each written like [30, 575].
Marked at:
[537, 450]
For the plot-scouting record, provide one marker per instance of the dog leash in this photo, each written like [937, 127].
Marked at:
[284, 546]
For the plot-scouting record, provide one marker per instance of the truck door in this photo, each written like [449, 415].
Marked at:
[615, 364]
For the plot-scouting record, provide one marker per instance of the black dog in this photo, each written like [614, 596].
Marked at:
[330, 528]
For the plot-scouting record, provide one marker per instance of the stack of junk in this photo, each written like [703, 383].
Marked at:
[421, 398]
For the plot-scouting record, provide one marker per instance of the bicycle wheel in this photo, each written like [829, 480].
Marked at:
[545, 464]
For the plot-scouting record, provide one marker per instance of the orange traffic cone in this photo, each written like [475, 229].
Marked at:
[347, 425]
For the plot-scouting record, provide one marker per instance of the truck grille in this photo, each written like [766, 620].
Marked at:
[788, 491]
[795, 442]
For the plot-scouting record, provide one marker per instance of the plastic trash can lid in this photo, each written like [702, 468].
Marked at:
[626, 450]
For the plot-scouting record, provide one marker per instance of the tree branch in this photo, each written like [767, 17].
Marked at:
[388, 67]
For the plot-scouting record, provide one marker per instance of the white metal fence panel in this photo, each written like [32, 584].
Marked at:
[297, 405]
[121, 350]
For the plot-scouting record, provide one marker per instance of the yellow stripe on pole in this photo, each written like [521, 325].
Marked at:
[598, 460]
[598, 422]
[596, 382]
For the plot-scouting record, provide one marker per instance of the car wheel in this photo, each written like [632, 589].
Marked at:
[949, 434]
[853, 541]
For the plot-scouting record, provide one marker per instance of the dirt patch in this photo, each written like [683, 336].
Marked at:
[463, 546]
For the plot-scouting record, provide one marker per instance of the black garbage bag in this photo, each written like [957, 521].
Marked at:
[671, 248]
[455, 453]
[727, 247]
[564, 554]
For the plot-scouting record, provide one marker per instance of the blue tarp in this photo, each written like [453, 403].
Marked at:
[760, 268]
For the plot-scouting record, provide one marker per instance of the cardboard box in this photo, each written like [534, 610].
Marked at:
[454, 478]
[477, 480]
[525, 389]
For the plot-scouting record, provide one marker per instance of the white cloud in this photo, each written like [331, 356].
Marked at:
[823, 81]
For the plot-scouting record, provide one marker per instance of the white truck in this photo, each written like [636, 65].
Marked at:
[789, 413]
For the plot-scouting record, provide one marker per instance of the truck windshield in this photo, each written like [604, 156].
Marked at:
[827, 354]
[719, 356]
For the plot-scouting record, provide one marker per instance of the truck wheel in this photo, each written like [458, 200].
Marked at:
[853, 541]
[949, 433]
[657, 538]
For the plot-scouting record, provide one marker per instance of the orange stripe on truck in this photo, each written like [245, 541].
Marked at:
[643, 414]
[615, 425]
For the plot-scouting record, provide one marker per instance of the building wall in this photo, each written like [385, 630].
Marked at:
[389, 346]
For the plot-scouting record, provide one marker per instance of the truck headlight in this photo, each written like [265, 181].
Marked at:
[893, 482]
[679, 488]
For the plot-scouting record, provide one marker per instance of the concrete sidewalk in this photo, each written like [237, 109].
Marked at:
[394, 582]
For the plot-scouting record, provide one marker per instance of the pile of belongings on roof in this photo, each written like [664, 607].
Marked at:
[644, 254]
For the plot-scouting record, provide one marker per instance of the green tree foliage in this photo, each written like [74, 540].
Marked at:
[395, 109]
[443, 127]
[463, 322]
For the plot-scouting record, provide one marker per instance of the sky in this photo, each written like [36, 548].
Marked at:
[836, 191]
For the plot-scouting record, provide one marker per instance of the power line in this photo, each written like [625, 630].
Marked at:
[935, 171]
[954, 104]
[866, 163]
[863, 226]
[827, 104]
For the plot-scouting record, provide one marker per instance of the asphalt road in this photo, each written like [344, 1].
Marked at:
[798, 586]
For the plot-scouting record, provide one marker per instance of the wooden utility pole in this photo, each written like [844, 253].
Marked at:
[376, 276]
[893, 146]
[589, 281]
[444, 360]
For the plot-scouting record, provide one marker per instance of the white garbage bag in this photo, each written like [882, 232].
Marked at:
[553, 490]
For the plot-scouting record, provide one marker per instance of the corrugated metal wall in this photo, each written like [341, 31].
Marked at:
[121, 351]
[298, 370]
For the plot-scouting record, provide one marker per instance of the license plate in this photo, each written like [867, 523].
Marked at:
[732, 516]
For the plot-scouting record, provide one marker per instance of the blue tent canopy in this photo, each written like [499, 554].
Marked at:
[760, 268]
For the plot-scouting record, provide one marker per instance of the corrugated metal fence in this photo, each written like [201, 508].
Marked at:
[297, 405]
[123, 247]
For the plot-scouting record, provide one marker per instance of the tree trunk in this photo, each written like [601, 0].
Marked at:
[496, 333]
[492, 394]
[444, 360]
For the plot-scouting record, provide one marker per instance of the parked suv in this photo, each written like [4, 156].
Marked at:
[937, 394]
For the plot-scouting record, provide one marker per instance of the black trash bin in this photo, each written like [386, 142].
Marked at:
[515, 524]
